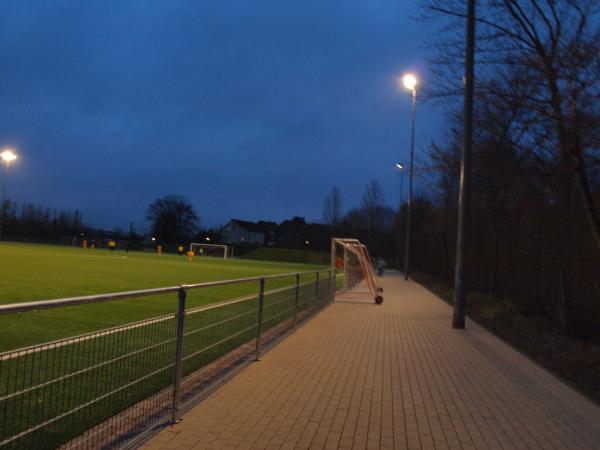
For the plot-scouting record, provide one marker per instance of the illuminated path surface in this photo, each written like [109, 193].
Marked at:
[390, 376]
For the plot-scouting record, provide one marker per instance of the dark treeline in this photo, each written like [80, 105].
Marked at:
[27, 222]
[372, 222]
[31, 222]
[536, 162]
[535, 220]
[520, 247]
[174, 221]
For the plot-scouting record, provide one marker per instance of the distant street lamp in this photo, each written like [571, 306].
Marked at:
[7, 156]
[400, 167]
[410, 82]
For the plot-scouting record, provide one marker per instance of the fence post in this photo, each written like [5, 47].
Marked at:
[316, 289]
[261, 301]
[333, 281]
[296, 298]
[182, 294]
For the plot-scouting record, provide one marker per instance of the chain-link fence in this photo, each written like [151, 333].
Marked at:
[111, 388]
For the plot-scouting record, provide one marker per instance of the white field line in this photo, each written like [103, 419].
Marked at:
[11, 354]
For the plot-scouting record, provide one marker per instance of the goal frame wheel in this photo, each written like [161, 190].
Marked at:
[379, 300]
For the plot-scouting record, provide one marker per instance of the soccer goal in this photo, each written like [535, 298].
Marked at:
[351, 257]
[215, 250]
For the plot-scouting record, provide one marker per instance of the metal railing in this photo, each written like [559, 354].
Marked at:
[110, 388]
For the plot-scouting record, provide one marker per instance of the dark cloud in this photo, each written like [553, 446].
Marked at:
[249, 109]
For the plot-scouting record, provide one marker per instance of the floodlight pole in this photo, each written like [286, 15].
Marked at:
[410, 183]
[332, 256]
[4, 193]
[464, 197]
[399, 215]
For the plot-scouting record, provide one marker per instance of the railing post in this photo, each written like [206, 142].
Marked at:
[182, 294]
[331, 292]
[261, 301]
[296, 298]
[333, 282]
[316, 289]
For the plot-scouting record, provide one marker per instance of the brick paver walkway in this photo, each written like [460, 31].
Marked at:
[390, 376]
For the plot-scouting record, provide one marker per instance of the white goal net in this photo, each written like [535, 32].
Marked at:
[351, 258]
[215, 250]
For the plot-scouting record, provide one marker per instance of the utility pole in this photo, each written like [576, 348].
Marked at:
[410, 183]
[464, 197]
[3, 205]
[7, 157]
[398, 236]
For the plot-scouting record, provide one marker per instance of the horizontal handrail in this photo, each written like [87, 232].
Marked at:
[97, 298]
[116, 329]
[62, 342]
[82, 371]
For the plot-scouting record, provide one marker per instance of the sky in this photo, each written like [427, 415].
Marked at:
[249, 109]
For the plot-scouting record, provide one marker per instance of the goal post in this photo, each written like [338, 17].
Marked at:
[216, 250]
[351, 257]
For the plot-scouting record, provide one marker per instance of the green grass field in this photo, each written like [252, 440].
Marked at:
[55, 393]
[34, 272]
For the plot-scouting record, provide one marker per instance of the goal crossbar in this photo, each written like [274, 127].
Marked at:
[223, 250]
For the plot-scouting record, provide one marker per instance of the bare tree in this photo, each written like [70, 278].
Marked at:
[372, 205]
[172, 218]
[544, 57]
[332, 208]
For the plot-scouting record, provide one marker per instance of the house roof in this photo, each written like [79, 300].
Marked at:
[249, 226]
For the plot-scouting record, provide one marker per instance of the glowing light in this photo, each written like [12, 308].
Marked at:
[409, 81]
[153, 239]
[399, 166]
[207, 238]
[8, 155]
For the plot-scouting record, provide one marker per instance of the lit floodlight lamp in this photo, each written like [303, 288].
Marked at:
[8, 155]
[409, 81]
[399, 166]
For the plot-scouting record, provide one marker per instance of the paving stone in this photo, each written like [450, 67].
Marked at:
[392, 376]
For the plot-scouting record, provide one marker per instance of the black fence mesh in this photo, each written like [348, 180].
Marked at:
[108, 389]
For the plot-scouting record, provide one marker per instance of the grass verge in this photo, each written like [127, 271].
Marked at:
[572, 359]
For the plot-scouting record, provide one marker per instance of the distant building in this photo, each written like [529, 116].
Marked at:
[293, 233]
[243, 232]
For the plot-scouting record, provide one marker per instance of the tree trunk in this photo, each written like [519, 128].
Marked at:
[583, 185]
